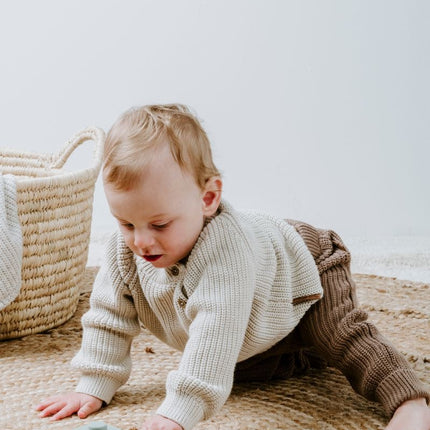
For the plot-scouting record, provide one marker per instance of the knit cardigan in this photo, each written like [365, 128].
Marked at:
[246, 284]
[10, 242]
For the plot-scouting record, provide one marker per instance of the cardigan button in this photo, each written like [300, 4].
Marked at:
[175, 270]
[181, 302]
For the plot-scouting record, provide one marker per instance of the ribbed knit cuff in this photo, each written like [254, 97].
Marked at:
[185, 410]
[103, 388]
[398, 387]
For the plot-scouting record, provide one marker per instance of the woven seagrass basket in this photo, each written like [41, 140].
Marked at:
[55, 211]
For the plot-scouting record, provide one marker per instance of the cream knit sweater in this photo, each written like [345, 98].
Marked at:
[10, 242]
[246, 284]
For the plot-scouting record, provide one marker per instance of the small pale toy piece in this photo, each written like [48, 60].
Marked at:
[97, 425]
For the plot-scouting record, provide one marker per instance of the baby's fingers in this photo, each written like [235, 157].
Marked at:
[62, 406]
[88, 408]
[51, 409]
[47, 402]
[67, 410]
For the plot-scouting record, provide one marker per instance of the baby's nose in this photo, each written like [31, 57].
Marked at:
[143, 240]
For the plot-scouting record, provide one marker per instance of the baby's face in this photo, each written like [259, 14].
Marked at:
[162, 216]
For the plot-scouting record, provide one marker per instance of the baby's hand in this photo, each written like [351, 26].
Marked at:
[158, 422]
[411, 415]
[67, 404]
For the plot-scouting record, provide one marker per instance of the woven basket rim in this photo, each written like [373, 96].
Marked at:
[51, 170]
[54, 180]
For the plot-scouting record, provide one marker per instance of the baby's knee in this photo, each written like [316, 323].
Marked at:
[326, 246]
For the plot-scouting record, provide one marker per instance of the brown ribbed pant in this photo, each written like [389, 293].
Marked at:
[335, 332]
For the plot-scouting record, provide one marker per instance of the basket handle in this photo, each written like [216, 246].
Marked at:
[91, 133]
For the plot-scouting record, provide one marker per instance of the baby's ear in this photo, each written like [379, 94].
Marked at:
[212, 195]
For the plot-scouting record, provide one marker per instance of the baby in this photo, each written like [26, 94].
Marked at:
[242, 295]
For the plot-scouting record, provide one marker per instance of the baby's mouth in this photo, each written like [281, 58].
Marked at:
[152, 258]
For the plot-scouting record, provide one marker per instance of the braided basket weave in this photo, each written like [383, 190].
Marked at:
[55, 211]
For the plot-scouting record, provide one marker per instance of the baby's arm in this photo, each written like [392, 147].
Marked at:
[219, 308]
[64, 405]
[108, 329]
[104, 357]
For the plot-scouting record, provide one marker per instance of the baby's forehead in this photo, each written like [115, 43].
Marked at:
[157, 167]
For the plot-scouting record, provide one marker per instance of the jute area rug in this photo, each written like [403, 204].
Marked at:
[37, 366]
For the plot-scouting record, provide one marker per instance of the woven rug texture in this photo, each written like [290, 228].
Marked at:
[37, 366]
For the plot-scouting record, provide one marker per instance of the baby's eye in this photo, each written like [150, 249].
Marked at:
[160, 226]
[127, 226]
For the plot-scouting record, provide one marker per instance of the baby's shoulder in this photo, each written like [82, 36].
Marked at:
[226, 225]
[229, 236]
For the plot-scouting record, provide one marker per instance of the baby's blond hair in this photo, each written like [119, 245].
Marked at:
[140, 130]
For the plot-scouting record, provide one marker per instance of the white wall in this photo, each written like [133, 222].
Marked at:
[317, 110]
